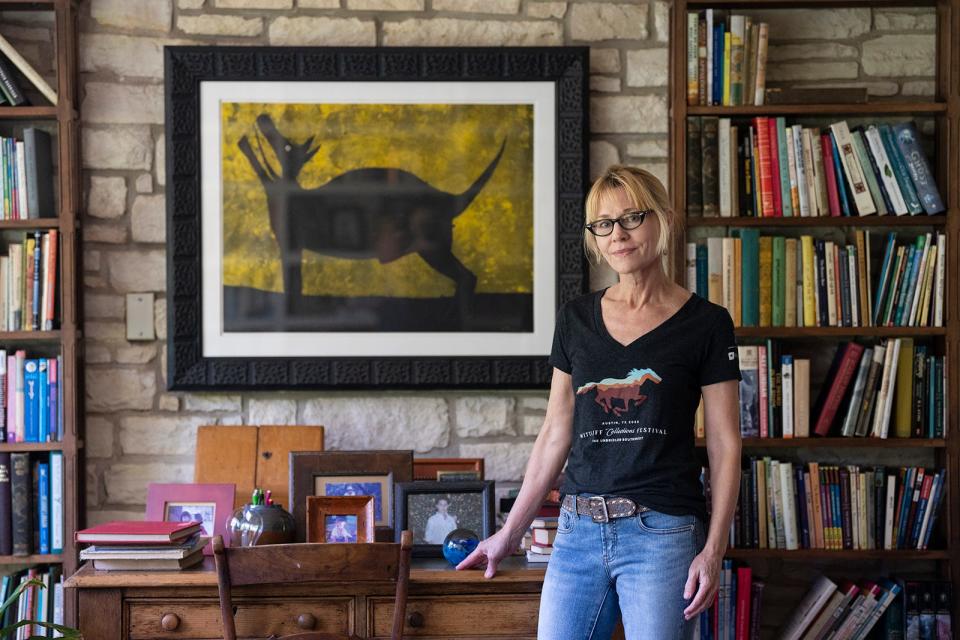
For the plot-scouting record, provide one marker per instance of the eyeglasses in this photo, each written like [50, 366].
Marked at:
[628, 221]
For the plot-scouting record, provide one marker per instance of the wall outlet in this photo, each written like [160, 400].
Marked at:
[140, 317]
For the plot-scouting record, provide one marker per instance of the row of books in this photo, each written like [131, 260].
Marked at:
[726, 59]
[35, 602]
[735, 612]
[765, 168]
[776, 281]
[28, 283]
[134, 545]
[915, 610]
[894, 383]
[31, 398]
[25, 170]
[31, 503]
[784, 505]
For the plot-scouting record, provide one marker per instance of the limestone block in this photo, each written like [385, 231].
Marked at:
[124, 55]
[138, 270]
[502, 461]
[647, 68]
[478, 416]
[160, 435]
[647, 148]
[209, 402]
[829, 50]
[474, 6]
[593, 21]
[149, 219]
[120, 147]
[386, 5]
[103, 305]
[109, 102]
[96, 354]
[602, 155]
[107, 197]
[111, 389]
[604, 84]
[421, 424]
[789, 71]
[628, 114]
[902, 20]
[144, 183]
[459, 32]
[546, 9]
[126, 482]
[604, 60]
[99, 437]
[331, 32]
[104, 232]
[272, 411]
[150, 15]
[160, 318]
[533, 403]
[813, 24]
[220, 25]
[136, 354]
[253, 4]
[900, 55]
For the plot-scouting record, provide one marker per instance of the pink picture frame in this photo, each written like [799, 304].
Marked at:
[211, 504]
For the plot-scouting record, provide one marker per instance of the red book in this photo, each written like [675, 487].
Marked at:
[139, 532]
[764, 172]
[744, 582]
[775, 168]
[826, 146]
[838, 387]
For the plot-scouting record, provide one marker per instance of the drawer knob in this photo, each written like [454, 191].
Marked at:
[170, 621]
[306, 621]
[415, 620]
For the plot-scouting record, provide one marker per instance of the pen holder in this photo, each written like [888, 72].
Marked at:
[260, 524]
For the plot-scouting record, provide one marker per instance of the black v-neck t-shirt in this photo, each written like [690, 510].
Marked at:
[635, 406]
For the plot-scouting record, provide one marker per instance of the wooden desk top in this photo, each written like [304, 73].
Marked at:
[422, 571]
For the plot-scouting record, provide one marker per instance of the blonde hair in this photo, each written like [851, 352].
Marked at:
[645, 192]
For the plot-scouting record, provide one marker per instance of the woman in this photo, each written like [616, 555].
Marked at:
[630, 365]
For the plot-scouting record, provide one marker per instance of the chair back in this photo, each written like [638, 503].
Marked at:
[321, 562]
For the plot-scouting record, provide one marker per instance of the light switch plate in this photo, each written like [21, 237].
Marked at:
[140, 316]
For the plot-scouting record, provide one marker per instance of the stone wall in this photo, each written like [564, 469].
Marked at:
[136, 430]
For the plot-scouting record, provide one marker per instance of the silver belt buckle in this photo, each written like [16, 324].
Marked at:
[602, 515]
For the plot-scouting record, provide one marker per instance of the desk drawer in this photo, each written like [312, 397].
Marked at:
[465, 616]
[154, 619]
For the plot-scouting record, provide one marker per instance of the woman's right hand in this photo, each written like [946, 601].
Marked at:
[491, 551]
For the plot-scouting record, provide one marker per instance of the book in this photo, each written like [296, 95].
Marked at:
[537, 557]
[138, 532]
[21, 492]
[806, 612]
[38, 164]
[151, 564]
[27, 70]
[132, 552]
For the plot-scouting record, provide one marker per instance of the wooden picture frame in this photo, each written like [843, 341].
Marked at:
[251, 320]
[417, 503]
[429, 468]
[174, 501]
[385, 468]
[353, 519]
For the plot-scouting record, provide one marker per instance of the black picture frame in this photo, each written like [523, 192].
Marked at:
[403, 491]
[187, 67]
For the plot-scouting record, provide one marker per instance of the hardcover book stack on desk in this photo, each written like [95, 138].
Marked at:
[543, 530]
[143, 546]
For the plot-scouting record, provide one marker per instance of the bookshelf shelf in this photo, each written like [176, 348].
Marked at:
[862, 109]
[838, 332]
[30, 336]
[820, 221]
[31, 446]
[846, 554]
[839, 443]
[48, 558]
[35, 223]
[27, 113]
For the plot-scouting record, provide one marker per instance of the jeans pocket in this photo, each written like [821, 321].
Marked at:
[566, 522]
[665, 523]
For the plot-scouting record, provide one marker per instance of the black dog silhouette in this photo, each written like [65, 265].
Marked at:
[381, 213]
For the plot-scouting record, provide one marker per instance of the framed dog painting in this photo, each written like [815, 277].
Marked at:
[388, 218]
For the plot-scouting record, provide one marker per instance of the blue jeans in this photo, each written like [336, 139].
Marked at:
[632, 567]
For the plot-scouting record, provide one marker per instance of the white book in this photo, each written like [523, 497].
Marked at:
[723, 149]
[798, 151]
[810, 172]
[709, 19]
[788, 498]
[21, 159]
[868, 280]
[808, 609]
[888, 398]
[888, 518]
[923, 314]
[918, 285]
[792, 173]
[935, 488]
[715, 270]
[854, 490]
[692, 268]
[786, 374]
[886, 170]
[729, 273]
[816, 290]
[854, 284]
[853, 410]
[856, 181]
[882, 392]
[56, 502]
[58, 606]
[4, 281]
[939, 279]
[830, 254]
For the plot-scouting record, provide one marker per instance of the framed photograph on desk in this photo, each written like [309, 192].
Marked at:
[372, 217]
[210, 504]
[431, 510]
[340, 519]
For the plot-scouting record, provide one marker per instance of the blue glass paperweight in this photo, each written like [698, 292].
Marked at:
[458, 544]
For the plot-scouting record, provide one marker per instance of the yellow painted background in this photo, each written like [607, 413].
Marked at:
[448, 146]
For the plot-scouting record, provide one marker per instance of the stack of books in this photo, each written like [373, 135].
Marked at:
[543, 531]
[143, 546]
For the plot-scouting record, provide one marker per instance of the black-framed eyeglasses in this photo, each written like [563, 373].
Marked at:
[628, 221]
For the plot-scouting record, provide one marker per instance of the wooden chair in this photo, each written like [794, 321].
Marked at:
[327, 562]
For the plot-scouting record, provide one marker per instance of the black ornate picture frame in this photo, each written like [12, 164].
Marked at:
[223, 335]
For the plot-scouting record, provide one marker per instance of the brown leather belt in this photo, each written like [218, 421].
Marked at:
[603, 509]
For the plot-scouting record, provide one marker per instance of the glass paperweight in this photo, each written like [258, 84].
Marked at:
[244, 527]
[458, 544]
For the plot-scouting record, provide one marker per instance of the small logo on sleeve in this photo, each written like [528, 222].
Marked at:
[731, 353]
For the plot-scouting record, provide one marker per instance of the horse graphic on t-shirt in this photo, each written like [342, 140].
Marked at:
[626, 390]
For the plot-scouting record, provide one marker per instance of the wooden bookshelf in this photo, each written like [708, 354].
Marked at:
[26, 225]
[37, 558]
[944, 109]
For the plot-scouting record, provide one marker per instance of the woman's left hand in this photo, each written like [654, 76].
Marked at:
[703, 578]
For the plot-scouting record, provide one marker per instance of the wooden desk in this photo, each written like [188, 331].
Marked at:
[443, 604]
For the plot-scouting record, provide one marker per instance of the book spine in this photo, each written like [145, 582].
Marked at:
[710, 169]
[11, 90]
[776, 182]
[43, 506]
[900, 170]
[694, 167]
[6, 533]
[829, 174]
[21, 490]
